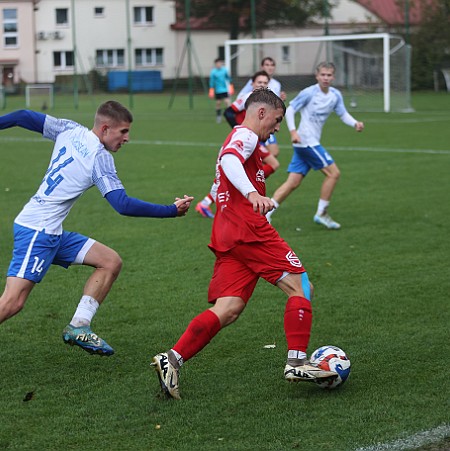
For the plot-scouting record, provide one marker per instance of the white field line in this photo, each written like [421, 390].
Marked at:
[413, 441]
[217, 146]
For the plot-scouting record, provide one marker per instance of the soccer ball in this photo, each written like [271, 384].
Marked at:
[332, 358]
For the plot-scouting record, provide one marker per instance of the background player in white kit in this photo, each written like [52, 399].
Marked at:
[268, 65]
[81, 159]
[315, 104]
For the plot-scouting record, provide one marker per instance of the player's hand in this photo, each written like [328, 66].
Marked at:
[183, 204]
[359, 126]
[211, 93]
[295, 137]
[260, 203]
[283, 96]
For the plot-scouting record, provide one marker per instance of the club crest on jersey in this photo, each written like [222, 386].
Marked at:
[293, 259]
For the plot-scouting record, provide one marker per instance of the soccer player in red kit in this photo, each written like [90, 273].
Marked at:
[247, 247]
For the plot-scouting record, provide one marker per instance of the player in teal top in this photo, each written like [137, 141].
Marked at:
[219, 87]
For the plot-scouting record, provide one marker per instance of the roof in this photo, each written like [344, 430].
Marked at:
[392, 12]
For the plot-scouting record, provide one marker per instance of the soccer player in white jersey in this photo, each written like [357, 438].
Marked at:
[268, 65]
[315, 104]
[81, 158]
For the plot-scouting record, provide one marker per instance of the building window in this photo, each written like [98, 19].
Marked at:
[110, 58]
[10, 28]
[148, 57]
[63, 60]
[99, 11]
[62, 16]
[286, 54]
[143, 15]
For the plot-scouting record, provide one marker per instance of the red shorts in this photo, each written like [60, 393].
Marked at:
[237, 271]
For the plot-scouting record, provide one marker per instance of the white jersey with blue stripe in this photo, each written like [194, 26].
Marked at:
[315, 106]
[79, 161]
[274, 85]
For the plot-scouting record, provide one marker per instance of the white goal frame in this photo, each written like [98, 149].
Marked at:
[38, 86]
[385, 37]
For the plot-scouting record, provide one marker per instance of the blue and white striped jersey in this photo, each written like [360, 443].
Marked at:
[78, 162]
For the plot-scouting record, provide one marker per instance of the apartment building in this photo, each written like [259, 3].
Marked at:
[43, 39]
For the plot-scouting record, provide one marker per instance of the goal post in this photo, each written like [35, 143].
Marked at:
[39, 96]
[372, 70]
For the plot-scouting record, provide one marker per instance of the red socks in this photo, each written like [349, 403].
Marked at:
[200, 331]
[268, 170]
[297, 323]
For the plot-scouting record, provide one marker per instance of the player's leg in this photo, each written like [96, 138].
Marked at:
[229, 276]
[297, 326]
[298, 169]
[276, 262]
[292, 182]
[204, 206]
[33, 254]
[200, 331]
[14, 296]
[332, 175]
[219, 108]
[77, 249]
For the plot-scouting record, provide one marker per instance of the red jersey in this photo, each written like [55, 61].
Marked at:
[235, 221]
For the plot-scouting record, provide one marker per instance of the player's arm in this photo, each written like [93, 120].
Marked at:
[31, 120]
[230, 116]
[345, 116]
[349, 120]
[246, 89]
[130, 206]
[290, 122]
[235, 172]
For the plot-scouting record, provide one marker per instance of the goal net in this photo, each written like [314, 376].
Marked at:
[372, 70]
[39, 96]
[2, 98]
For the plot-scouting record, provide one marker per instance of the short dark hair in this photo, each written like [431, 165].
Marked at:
[268, 58]
[115, 111]
[259, 74]
[325, 65]
[267, 96]
[217, 60]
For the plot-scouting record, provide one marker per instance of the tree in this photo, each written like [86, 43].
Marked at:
[235, 16]
[431, 45]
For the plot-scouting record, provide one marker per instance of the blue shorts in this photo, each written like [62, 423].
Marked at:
[306, 158]
[35, 251]
[272, 140]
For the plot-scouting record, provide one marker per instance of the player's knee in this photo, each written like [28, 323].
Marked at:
[10, 306]
[113, 263]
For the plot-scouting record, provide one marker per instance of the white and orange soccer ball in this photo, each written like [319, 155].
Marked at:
[332, 358]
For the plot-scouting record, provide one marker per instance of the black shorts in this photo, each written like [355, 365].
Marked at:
[222, 95]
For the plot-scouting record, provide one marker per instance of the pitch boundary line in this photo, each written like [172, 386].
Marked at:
[217, 146]
[414, 441]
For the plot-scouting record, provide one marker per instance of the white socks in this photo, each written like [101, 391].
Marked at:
[322, 207]
[296, 354]
[86, 310]
[206, 201]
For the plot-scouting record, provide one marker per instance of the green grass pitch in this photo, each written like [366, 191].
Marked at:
[382, 288]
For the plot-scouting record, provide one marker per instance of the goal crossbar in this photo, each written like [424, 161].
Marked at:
[385, 37]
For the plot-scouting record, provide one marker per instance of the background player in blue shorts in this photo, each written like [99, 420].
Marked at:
[81, 158]
[315, 104]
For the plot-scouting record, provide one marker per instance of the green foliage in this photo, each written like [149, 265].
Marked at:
[431, 46]
[381, 282]
[236, 15]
